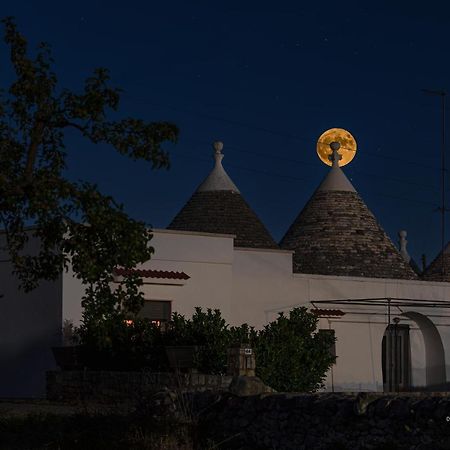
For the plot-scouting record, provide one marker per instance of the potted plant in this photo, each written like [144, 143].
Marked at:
[68, 355]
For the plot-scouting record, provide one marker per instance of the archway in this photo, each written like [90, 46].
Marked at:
[434, 350]
[396, 354]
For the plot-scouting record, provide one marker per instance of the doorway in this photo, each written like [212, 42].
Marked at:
[396, 358]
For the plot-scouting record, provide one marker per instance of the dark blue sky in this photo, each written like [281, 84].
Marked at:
[266, 78]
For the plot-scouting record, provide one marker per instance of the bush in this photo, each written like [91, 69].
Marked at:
[120, 345]
[290, 355]
[210, 332]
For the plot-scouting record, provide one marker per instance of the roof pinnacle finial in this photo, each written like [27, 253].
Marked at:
[403, 242]
[218, 146]
[218, 155]
[335, 179]
[335, 157]
[218, 179]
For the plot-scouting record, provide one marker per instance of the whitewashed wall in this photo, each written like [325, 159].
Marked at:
[247, 285]
[253, 286]
[30, 324]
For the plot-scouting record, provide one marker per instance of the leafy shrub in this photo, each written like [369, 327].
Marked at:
[210, 333]
[118, 345]
[291, 355]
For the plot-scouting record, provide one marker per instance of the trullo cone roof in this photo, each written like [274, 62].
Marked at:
[434, 271]
[337, 234]
[217, 206]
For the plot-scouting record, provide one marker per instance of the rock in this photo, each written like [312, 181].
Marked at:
[362, 401]
[243, 386]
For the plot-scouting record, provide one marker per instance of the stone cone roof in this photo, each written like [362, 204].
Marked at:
[434, 271]
[218, 207]
[337, 234]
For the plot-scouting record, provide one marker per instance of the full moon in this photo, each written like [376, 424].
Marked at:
[347, 149]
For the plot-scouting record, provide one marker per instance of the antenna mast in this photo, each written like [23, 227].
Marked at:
[442, 208]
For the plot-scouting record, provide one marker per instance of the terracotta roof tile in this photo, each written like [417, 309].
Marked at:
[327, 312]
[150, 273]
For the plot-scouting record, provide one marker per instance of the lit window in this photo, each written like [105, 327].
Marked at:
[158, 311]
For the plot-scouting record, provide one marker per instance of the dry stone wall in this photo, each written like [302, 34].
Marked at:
[115, 387]
[226, 415]
[330, 421]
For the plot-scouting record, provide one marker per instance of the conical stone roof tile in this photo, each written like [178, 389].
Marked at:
[218, 207]
[337, 234]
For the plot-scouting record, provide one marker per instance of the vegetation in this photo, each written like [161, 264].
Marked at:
[117, 345]
[211, 334]
[76, 224]
[72, 221]
[290, 354]
[87, 431]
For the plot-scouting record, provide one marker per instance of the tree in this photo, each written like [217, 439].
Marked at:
[73, 222]
[290, 355]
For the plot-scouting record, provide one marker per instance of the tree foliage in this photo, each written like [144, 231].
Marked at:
[72, 221]
[209, 331]
[291, 355]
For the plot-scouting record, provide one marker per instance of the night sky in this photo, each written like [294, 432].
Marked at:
[266, 78]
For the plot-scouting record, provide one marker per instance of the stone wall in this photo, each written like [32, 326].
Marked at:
[334, 421]
[115, 387]
[329, 421]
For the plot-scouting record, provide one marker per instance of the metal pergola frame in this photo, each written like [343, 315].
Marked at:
[385, 301]
[388, 303]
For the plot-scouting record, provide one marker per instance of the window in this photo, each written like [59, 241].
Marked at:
[158, 311]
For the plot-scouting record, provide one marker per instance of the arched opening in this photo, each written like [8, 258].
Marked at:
[396, 354]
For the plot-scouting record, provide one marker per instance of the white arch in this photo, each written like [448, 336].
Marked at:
[434, 349]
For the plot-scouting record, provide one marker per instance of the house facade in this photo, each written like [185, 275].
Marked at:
[391, 325]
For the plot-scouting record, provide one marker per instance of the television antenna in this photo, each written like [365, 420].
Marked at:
[442, 94]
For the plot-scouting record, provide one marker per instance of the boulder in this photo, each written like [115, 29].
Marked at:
[244, 386]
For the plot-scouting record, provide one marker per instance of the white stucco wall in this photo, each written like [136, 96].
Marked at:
[262, 284]
[30, 324]
[72, 293]
[247, 285]
[207, 259]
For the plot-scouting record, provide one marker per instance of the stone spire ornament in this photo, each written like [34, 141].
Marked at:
[346, 141]
[218, 179]
[402, 244]
[335, 156]
[217, 206]
[336, 179]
